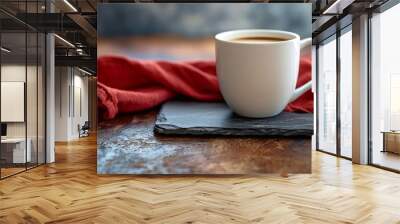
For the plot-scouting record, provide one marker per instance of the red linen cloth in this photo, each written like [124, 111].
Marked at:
[126, 85]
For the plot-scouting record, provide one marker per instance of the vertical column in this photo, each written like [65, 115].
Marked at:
[62, 103]
[338, 91]
[360, 90]
[314, 90]
[92, 86]
[50, 92]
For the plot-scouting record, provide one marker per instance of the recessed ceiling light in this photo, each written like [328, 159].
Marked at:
[5, 50]
[70, 5]
[65, 41]
[84, 71]
[337, 7]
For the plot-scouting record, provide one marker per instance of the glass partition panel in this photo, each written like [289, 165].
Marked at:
[385, 89]
[31, 87]
[41, 79]
[32, 97]
[346, 94]
[327, 96]
[22, 78]
[14, 150]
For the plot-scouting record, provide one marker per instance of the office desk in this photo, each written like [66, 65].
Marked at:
[13, 150]
[391, 141]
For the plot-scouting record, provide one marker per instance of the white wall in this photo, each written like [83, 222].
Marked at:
[92, 91]
[61, 103]
[70, 83]
[17, 73]
[80, 84]
[14, 73]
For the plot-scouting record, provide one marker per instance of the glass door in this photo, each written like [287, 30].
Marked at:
[385, 89]
[334, 94]
[14, 153]
[326, 95]
[345, 93]
[22, 92]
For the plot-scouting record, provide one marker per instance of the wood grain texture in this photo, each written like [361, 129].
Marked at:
[70, 191]
[128, 145]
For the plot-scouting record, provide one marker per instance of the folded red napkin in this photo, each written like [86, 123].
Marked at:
[126, 85]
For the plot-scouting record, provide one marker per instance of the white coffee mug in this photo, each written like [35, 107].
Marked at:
[258, 79]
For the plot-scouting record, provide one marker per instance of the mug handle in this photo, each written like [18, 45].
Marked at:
[305, 49]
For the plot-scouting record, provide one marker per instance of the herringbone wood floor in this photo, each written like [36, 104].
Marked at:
[70, 191]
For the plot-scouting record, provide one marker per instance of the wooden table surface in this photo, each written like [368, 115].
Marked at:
[128, 145]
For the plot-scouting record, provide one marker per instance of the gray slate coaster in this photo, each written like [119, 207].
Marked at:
[198, 118]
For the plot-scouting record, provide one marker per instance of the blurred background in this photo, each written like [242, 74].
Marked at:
[177, 31]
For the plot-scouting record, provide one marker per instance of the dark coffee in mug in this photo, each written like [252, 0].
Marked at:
[258, 39]
[257, 70]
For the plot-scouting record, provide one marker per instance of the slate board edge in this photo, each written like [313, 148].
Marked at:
[164, 129]
[204, 131]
